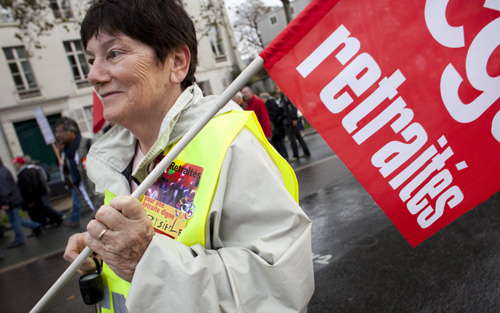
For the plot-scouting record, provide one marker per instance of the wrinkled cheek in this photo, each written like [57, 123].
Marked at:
[141, 71]
[145, 78]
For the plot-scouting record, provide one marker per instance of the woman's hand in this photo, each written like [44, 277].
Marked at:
[128, 236]
[76, 244]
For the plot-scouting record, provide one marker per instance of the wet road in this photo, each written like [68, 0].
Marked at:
[361, 262]
[28, 272]
[22, 288]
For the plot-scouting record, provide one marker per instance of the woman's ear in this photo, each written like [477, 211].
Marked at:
[180, 64]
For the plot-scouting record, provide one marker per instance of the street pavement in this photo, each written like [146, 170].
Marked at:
[27, 272]
[363, 264]
[51, 241]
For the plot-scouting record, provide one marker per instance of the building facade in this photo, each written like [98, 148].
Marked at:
[54, 78]
[271, 24]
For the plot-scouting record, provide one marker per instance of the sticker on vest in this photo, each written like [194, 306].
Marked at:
[169, 202]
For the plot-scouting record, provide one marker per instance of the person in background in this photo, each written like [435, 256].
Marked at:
[277, 117]
[44, 177]
[253, 103]
[238, 98]
[11, 199]
[237, 240]
[74, 156]
[291, 125]
[32, 188]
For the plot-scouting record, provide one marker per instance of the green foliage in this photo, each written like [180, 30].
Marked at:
[30, 16]
[36, 18]
[235, 71]
[212, 17]
[261, 75]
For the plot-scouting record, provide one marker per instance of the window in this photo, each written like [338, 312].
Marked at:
[79, 116]
[21, 71]
[77, 62]
[6, 15]
[273, 19]
[89, 114]
[216, 44]
[61, 9]
[206, 87]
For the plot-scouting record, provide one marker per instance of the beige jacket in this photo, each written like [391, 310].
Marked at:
[258, 254]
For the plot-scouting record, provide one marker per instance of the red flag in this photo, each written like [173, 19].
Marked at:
[407, 94]
[97, 113]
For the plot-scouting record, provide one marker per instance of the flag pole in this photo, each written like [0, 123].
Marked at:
[221, 101]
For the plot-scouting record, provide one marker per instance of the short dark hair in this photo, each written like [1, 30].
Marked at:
[161, 24]
[68, 124]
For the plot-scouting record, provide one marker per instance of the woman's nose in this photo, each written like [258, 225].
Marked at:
[98, 73]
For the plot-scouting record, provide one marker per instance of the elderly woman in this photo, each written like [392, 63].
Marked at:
[220, 230]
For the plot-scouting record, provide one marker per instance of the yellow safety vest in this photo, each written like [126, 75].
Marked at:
[206, 150]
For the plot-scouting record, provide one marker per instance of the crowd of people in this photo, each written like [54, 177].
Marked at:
[30, 192]
[279, 119]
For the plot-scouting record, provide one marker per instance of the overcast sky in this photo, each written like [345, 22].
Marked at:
[232, 3]
[266, 2]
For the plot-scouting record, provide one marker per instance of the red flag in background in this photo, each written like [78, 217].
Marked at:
[97, 113]
[407, 95]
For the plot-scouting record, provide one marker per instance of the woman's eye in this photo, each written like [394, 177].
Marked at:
[113, 54]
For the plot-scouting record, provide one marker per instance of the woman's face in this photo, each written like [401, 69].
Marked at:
[127, 76]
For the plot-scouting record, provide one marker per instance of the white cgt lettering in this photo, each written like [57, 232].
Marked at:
[396, 109]
[451, 197]
[395, 153]
[359, 75]
[335, 40]
[387, 90]
[433, 188]
[479, 53]
[440, 29]
[481, 49]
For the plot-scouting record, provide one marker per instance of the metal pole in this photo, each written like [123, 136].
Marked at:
[221, 101]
